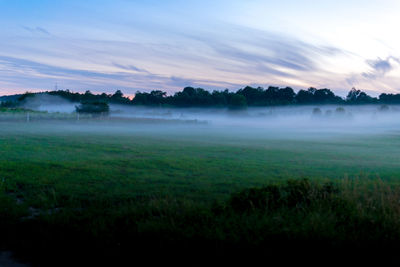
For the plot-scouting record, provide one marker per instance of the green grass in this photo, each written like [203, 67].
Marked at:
[125, 165]
[106, 183]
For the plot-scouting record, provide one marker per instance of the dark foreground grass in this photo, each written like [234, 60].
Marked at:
[298, 219]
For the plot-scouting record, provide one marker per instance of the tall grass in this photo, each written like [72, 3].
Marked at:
[292, 217]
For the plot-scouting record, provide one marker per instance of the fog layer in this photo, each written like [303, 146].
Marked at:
[280, 122]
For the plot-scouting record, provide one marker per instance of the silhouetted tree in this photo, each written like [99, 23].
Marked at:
[358, 97]
[9, 104]
[317, 112]
[26, 95]
[199, 97]
[340, 111]
[95, 108]
[220, 99]
[317, 96]
[237, 102]
[389, 98]
[384, 108]
[254, 96]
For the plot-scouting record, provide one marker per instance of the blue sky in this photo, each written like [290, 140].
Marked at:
[144, 45]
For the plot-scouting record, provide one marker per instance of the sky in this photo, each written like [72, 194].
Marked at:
[132, 45]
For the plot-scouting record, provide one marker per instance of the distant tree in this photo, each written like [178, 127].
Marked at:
[220, 99]
[190, 91]
[192, 97]
[249, 96]
[118, 94]
[254, 96]
[104, 96]
[326, 96]
[237, 102]
[304, 97]
[317, 96]
[118, 97]
[358, 97]
[25, 96]
[154, 98]
[384, 108]
[340, 111]
[95, 108]
[140, 98]
[285, 96]
[317, 112]
[157, 97]
[389, 98]
[9, 104]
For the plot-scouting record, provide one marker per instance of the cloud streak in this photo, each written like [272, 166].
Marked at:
[205, 59]
[37, 30]
[43, 77]
[380, 67]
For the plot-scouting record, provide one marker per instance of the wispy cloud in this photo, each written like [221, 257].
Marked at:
[380, 67]
[211, 59]
[37, 30]
[267, 53]
[40, 76]
[129, 67]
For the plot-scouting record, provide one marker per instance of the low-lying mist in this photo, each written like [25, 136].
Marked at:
[49, 103]
[273, 122]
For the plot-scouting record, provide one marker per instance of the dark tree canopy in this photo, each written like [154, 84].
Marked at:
[237, 102]
[93, 107]
[317, 96]
[389, 98]
[358, 97]
[153, 98]
[247, 96]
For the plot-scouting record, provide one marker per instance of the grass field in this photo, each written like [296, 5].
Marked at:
[104, 183]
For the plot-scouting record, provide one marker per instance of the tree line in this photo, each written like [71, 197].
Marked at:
[258, 97]
[247, 96]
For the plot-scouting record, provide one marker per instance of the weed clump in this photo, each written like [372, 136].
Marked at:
[293, 194]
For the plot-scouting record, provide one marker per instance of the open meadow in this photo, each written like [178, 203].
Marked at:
[120, 188]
